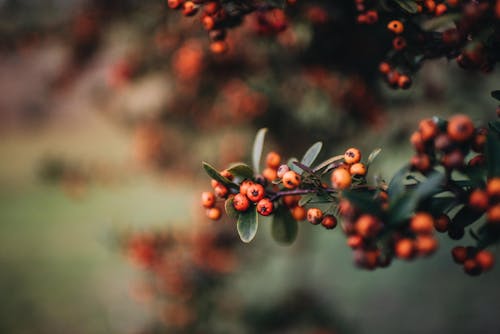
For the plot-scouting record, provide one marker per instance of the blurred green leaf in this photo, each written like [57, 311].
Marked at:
[247, 225]
[293, 166]
[493, 153]
[258, 144]
[363, 201]
[311, 154]
[283, 227]
[408, 6]
[440, 21]
[229, 208]
[396, 185]
[496, 94]
[306, 199]
[466, 216]
[431, 186]
[303, 168]
[242, 170]
[373, 155]
[214, 174]
[327, 162]
[495, 126]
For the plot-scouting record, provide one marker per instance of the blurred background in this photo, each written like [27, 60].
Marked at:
[107, 109]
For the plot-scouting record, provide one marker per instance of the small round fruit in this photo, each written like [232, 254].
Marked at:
[493, 187]
[346, 209]
[282, 170]
[174, 4]
[270, 174]
[442, 223]
[218, 47]
[405, 249]
[478, 200]
[421, 162]
[273, 160]
[422, 223]
[384, 68]
[227, 174]
[244, 186]
[355, 241]
[426, 245]
[404, 81]
[299, 213]
[291, 180]
[341, 179]
[367, 226]
[265, 207]
[208, 22]
[417, 141]
[399, 43]
[459, 254]
[479, 140]
[485, 259]
[472, 267]
[329, 222]
[189, 8]
[214, 213]
[396, 27]
[352, 155]
[314, 216]
[428, 129]
[493, 214]
[221, 191]
[207, 199]
[358, 169]
[241, 202]
[291, 201]
[460, 128]
[256, 192]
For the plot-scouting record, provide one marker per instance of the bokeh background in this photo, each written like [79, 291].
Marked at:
[107, 109]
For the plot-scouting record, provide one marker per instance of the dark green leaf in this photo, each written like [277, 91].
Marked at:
[311, 154]
[327, 162]
[396, 185]
[495, 126]
[283, 227]
[247, 225]
[431, 186]
[303, 168]
[258, 144]
[439, 205]
[214, 174]
[362, 201]
[493, 154]
[496, 94]
[402, 208]
[242, 170]
[440, 21]
[229, 208]
[306, 199]
[465, 217]
[408, 6]
[293, 166]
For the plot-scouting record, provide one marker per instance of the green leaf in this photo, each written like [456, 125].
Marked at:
[396, 185]
[496, 94]
[440, 21]
[242, 170]
[495, 126]
[466, 216]
[293, 166]
[247, 225]
[373, 155]
[493, 154]
[327, 162]
[214, 174]
[303, 168]
[258, 144]
[408, 6]
[306, 199]
[229, 208]
[283, 227]
[311, 154]
[431, 186]
[362, 201]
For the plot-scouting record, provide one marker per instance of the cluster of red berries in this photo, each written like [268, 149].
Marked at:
[474, 260]
[487, 201]
[448, 144]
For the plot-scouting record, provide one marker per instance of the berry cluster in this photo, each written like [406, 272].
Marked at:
[474, 260]
[437, 191]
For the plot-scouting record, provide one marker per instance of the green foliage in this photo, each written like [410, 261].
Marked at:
[258, 144]
[284, 228]
[247, 225]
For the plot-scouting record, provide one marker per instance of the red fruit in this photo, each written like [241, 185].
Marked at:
[256, 192]
[314, 216]
[485, 259]
[241, 202]
[459, 254]
[329, 222]
[405, 249]
[265, 207]
[291, 180]
[207, 199]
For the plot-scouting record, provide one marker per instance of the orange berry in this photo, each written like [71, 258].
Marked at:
[471, 267]
[493, 214]
[291, 201]
[227, 174]
[460, 128]
[207, 199]
[425, 245]
[314, 216]
[265, 207]
[273, 160]
[428, 129]
[421, 162]
[221, 191]
[218, 47]
[396, 27]
[459, 254]
[255, 192]
[270, 174]
[405, 249]
[208, 22]
[244, 186]
[358, 169]
[299, 213]
[485, 259]
[346, 209]
[493, 187]
[329, 222]
[431, 5]
[355, 241]
[352, 155]
[422, 223]
[442, 223]
[417, 141]
[214, 183]
[291, 180]
[399, 43]
[214, 213]
[404, 81]
[341, 179]
[384, 68]
[211, 7]
[282, 170]
[371, 16]
[440, 9]
[368, 226]
[189, 8]
[478, 200]
[174, 4]
[454, 159]
[452, 3]
[241, 202]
